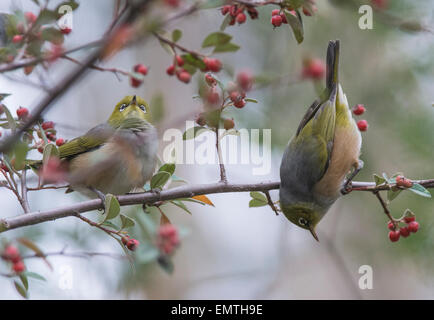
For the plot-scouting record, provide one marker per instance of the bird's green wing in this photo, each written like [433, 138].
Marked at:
[94, 138]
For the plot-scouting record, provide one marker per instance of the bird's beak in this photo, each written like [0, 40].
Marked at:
[312, 230]
[134, 101]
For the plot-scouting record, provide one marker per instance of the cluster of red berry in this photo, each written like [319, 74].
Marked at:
[141, 69]
[11, 254]
[237, 13]
[358, 110]
[278, 17]
[167, 238]
[313, 69]
[211, 64]
[130, 243]
[411, 227]
[27, 33]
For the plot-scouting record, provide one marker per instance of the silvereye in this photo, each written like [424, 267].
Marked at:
[323, 151]
[114, 157]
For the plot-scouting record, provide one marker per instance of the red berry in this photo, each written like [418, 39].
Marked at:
[172, 3]
[135, 82]
[30, 17]
[253, 13]
[245, 80]
[125, 240]
[17, 38]
[404, 232]
[225, 9]
[184, 76]
[413, 226]
[314, 69]
[4, 167]
[394, 236]
[41, 149]
[213, 64]
[241, 18]
[380, 4]
[47, 125]
[234, 96]
[132, 244]
[228, 124]
[391, 225]
[213, 96]
[66, 30]
[359, 109]
[22, 112]
[240, 103]
[170, 70]
[210, 80]
[140, 68]
[276, 21]
[200, 119]
[275, 12]
[283, 16]
[409, 219]
[60, 142]
[179, 61]
[11, 253]
[19, 267]
[232, 22]
[362, 125]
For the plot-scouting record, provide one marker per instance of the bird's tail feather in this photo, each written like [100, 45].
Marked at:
[332, 74]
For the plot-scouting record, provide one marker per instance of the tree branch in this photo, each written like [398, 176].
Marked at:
[150, 197]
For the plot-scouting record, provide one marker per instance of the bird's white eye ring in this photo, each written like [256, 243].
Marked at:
[143, 108]
[302, 221]
[122, 108]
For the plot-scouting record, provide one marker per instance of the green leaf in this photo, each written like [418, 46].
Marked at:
[52, 35]
[50, 150]
[251, 100]
[127, 222]
[259, 196]
[189, 68]
[112, 207]
[20, 151]
[10, 118]
[160, 179]
[46, 16]
[4, 95]
[110, 225]
[176, 35]
[378, 180]
[227, 47]
[190, 59]
[392, 194]
[34, 275]
[168, 167]
[256, 203]
[21, 290]
[180, 205]
[296, 25]
[194, 132]
[420, 190]
[24, 280]
[225, 22]
[216, 39]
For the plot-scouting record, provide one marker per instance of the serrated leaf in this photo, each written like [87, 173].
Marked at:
[420, 190]
[180, 205]
[216, 39]
[127, 222]
[256, 203]
[227, 47]
[193, 132]
[296, 24]
[112, 207]
[259, 196]
[176, 35]
[168, 167]
[21, 290]
[203, 198]
[160, 179]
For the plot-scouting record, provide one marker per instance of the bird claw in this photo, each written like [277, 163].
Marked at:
[101, 196]
[347, 188]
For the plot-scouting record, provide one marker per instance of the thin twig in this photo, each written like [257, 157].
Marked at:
[223, 177]
[271, 203]
[384, 205]
[25, 201]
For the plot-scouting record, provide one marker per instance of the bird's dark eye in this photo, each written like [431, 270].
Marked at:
[122, 108]
[302, 221]
[143, 108]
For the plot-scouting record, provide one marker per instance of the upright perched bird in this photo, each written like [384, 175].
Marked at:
[114, 157]
[323, 151]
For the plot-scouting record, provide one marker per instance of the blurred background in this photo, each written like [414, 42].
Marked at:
[233, 251]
